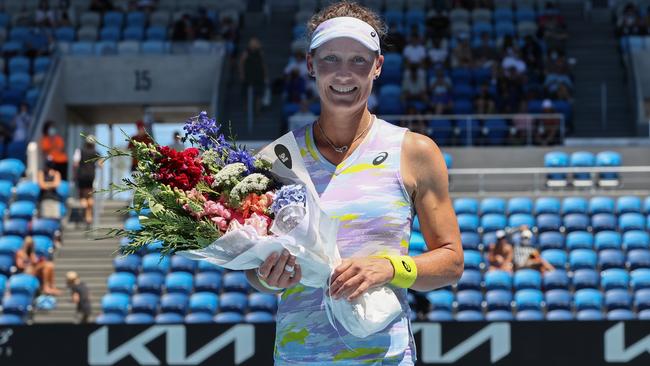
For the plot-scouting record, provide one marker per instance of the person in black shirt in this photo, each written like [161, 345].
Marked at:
[80, 296]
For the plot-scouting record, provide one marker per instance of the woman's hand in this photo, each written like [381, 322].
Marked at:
[354, 276]
[273, 270]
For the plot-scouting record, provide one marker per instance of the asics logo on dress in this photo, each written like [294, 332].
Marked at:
[380, 158]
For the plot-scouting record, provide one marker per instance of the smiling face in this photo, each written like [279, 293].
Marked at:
[345, 70]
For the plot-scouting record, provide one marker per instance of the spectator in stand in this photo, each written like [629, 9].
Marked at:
[20, 124]
[298, 62]
[414, 86]
[203, 26]
[101, 5]
[182, 30]
[28, 262]
[437, 20]
[526, 256]
[522, 125]
[178, 142]
[45, 16]
[295, 87]
[229, 34]
[512, 60]
[414, 52]
[511, 91]
[500, 254]
[485, 54]
[253, 74]
[440, 87]
[531, 54]
[558, 71]
[462, 55]
[80, 296]
[394, 40]
[85, 176]
[484, 102]
[552, 28]
[53, 149]
[140, 136]
[548, 128]
[438, 51]
[629, 22]
[303, 117]
[49, 180]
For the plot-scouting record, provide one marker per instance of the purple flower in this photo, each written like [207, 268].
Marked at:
[289, 194]
[205, 131]
[241, 156]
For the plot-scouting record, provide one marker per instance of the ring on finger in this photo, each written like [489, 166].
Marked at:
[289, 268]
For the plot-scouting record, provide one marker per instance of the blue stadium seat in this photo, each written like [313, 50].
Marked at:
[22, 210]
[132, 224]
[517, 220]
[642, 299]
[113, 18]
[146, 303]
[153, 262]
[582, 159]
[640, 279]
[529, 299]
[110, 33]
[576, 222]
[204, 302]
[136, 18]
[638, 258]
[110, 318]
[628, 204]
[468, 130]
[391, 69]
[154, 247]
[103, 48]
[233, 301]
[5, 190]
[18, 304]
[205, 266]
[42, 64]
[179, 282]
[208, 281]
[115, 303]
[128, 263]
[440, 316]
[154, 47]
[65, 34]
[499, 316]
[122, 282]
[601, 204]
[263, 302]
[23, 284]
[498, 300]
[579, 240]
[589, 315]
[470, 240]
[556, 279]
[19, 64]
[6, 265]
[415, 225]
[461, 75]
[9, 244]
[519, 205]
[169, 318]
[607, 240]
[636, 239]
[20, 81]
[527, 279]
[470, 279]
[440, 299]
[556, 257]
[174, 303]
[82, 48]
[631, 221]
[574, 205]
[139, 318]
[469, 316]
[548, 222]
[441, 131]
[503, 29]
[503, 15]
[608, 158]
[617, 299]
[588, 298]
[235, 281]
[556, 159]
[151, 282]
[489, 238]
[551, 240]
[27, 191]
[473, 259]
[198, 318]
[493, 206]
[614, 278]
[558, 299]
[583, 258]
[646, 205]
[463, 91]
[641, 315]
[497, 279]
[493, 222]
[529, 315]
[229, 317]
[559, 315]
[45, 227]
[549, 205]
[156, 33]
[466, 206]
[468, 222]
[469, 300]
[449, 160]
[585, 278]
[11, 170]
[603, 221]
[525, 14]
[611, 258]
[620, 314]
[417, 245]
[182, 264]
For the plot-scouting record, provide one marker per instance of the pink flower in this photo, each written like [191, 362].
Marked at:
[221, 223]
[212, 208]
[259, 222]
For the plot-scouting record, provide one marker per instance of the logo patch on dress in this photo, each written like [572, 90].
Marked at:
[406, 266]
[283, 154]
[380, 158]
[372, 34]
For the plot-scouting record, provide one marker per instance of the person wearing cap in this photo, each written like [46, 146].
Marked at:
[80, 296]
[500, 253]
[84, 168]
[140, 136]
[372, 176]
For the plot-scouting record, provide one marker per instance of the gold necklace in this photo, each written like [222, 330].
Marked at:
[343, 149]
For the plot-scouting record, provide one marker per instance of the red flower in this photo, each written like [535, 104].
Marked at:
[181, 170]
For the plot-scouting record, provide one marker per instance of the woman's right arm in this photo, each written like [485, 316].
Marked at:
[272, 272]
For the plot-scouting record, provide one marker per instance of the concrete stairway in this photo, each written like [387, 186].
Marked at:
[92, 259]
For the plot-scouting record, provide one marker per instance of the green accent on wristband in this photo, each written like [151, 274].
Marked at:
[406, 272]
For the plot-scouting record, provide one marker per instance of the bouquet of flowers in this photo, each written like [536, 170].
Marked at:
[218, 203]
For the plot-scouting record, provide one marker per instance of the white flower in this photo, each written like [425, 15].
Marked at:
[229, 175]
[253, 183]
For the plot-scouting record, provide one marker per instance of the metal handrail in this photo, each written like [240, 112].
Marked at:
[42, 100]
[544, 170]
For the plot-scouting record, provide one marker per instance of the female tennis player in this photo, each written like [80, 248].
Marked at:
[372, 176]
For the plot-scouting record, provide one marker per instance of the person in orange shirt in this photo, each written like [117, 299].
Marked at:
[53, 149]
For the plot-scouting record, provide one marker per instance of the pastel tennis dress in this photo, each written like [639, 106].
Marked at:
[366, 193]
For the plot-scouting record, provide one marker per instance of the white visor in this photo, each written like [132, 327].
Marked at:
[346, 27]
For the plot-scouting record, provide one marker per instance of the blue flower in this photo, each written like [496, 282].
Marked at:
[205, 131]
[241, 156]
[290, 194]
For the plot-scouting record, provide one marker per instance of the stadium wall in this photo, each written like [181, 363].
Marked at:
[467, 343]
